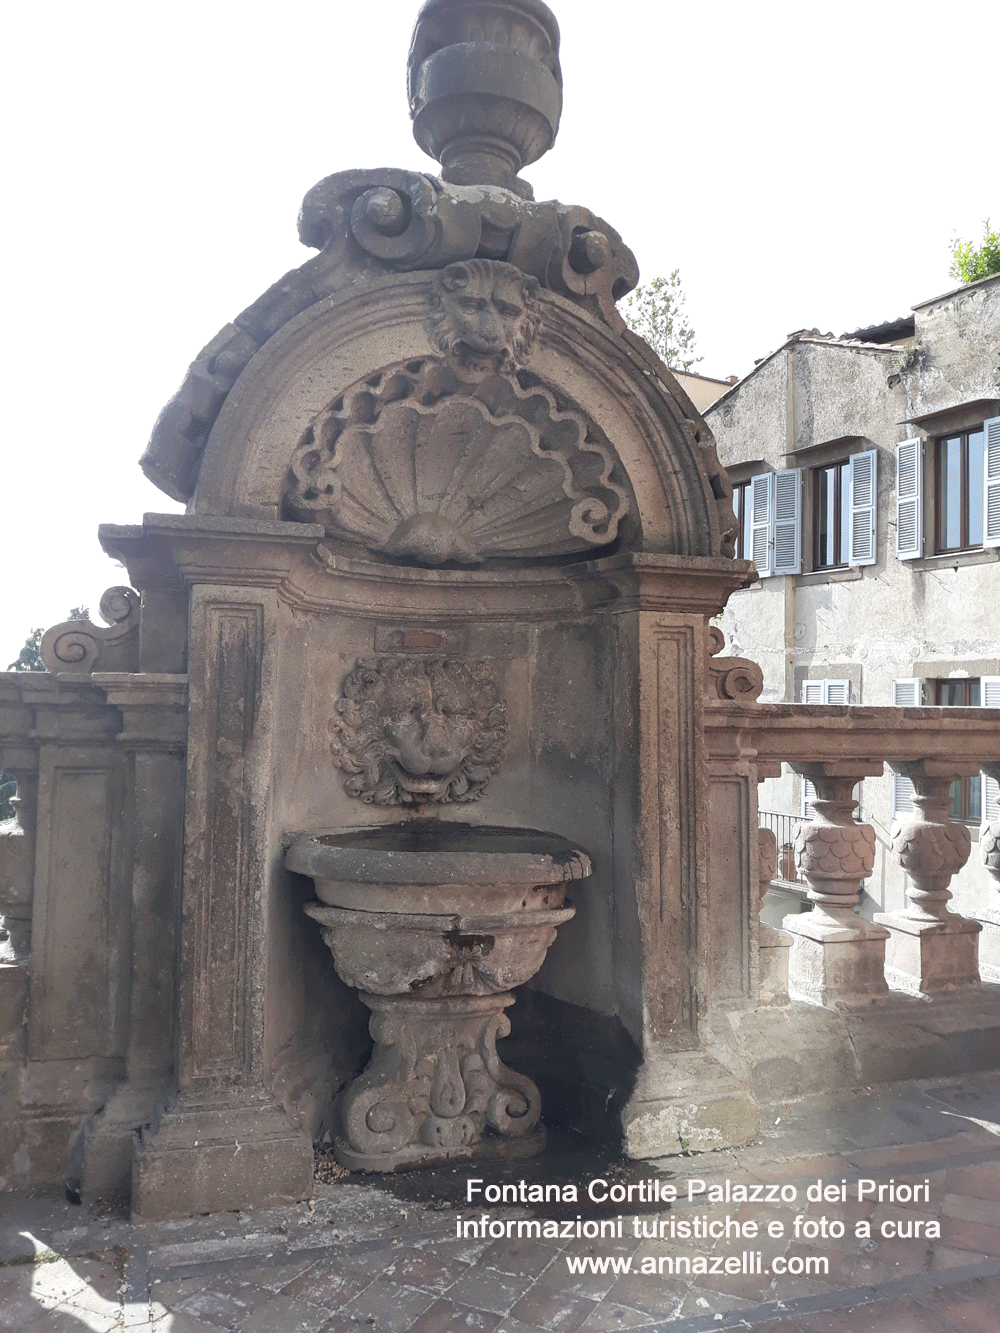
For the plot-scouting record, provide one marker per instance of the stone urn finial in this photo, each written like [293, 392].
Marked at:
[485, 87]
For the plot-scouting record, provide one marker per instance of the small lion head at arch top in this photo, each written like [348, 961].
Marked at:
[412, 731]
[484, 312]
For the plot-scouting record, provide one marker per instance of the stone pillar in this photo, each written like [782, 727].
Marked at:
[989, 917]
[837, 956]
[774, 944]
[153, 709]
[226, 1144]
[931, 948]
[17, 873]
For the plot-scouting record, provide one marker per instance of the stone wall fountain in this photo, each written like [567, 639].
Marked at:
[434, 922]
[432, 640]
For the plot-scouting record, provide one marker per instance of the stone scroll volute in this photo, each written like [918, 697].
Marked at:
[415, 731]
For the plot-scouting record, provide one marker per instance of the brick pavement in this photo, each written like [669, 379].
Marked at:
[377, 1258]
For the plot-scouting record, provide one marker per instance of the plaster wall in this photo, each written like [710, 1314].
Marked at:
[934, 617]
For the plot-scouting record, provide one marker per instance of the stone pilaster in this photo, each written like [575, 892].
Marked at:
[153, 709]
[931, 948]
[226, 1144]
[837, 956]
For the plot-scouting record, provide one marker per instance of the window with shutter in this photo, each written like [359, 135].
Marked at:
[788, 521]
[826, 692]
[863, 487]
[990, 698]
[808, 809]
[906, 693]
[909, 500]
[991, 483]
[762, 487]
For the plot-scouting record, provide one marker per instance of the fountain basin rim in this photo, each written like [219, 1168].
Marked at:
[432, 852]
[443, 923]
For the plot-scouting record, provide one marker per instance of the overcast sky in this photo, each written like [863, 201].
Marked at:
[803, 165]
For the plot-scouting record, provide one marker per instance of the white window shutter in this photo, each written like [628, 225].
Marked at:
[909, 500]
[906, 693]
[808, 796]
[812, 692]
[991, 483]
[902, 795]
[761, 504]
[788, 521]
[836, 691]
[989, 691]
[863, 484]
[991, 800]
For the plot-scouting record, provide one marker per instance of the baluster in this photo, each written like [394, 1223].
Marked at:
[837, 957]
[989, 916]
[931, 948]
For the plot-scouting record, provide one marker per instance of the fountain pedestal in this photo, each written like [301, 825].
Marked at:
[438, 982]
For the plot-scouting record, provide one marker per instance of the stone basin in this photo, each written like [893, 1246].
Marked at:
[435, 923]
[427, 866]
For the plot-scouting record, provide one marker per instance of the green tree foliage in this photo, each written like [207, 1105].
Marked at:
[30, 656]
[969, 262]
[655, 311]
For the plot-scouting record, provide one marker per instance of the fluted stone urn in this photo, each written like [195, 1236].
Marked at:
[435, 923]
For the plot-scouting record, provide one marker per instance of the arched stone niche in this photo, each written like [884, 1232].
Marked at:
[676, 499]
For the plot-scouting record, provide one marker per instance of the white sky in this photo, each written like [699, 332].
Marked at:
[802, 164]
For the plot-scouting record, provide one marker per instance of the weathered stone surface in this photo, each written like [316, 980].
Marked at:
[437, 984]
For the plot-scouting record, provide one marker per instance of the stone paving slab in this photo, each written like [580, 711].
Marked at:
[370, 1256]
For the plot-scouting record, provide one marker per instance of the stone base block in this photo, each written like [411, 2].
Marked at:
[220, 1155]
[927, 956]
[110, 1142]
[774, 947]
[832, 965]
[13, 1002]
[488, 1148]
[989, 947]
[686, 1101]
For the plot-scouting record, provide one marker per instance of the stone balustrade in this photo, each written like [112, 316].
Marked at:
[838, 957]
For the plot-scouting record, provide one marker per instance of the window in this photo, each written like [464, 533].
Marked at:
[743, 508]
[964, 469]
[831, 515]
[966, 793]
[970, 797]
[820, 692]
[959, 485]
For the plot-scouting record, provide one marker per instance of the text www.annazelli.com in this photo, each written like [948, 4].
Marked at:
[693, 1265]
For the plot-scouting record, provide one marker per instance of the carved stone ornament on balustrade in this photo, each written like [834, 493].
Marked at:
[423, 730]
[931, 948]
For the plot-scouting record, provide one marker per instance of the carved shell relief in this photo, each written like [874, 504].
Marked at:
[462, 459]
[416, 730]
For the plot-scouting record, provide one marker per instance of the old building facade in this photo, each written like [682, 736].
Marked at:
[866, 473]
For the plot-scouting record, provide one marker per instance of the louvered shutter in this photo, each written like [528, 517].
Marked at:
[902, 795]
[788, 521]
[863, 484]
[991, 483]
[812, 691]
[836, 691]
[808, 796]
[989, 697]
[906, 693]
[909, 500]
[761, 498]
